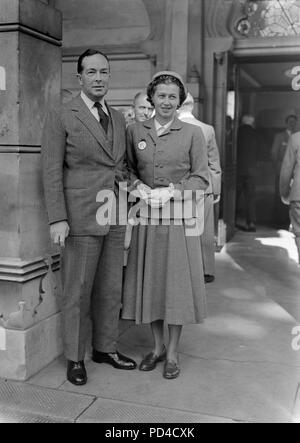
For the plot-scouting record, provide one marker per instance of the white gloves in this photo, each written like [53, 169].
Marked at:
[158, 197]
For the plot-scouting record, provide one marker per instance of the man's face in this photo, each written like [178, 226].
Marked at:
[291, 123]
[94, 78]
[143, 109]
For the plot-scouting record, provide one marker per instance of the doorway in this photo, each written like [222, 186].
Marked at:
[265, 92]
[260, 86]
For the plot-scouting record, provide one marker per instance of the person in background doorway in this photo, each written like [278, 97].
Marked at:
[247, 151]
[143, 109]
[281, 140]
[212, 193]
[289, 184]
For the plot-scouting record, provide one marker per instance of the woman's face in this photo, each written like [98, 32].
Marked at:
[166, 101]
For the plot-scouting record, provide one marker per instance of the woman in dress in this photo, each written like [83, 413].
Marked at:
[164, 281]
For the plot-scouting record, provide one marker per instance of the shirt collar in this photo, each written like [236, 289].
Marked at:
[158, 125]
[90, 103]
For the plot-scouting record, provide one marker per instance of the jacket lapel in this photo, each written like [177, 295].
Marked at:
[117, 129]
[150, 128]
[90, 122]
[175, 126]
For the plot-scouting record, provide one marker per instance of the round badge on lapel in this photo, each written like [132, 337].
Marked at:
[142, 145]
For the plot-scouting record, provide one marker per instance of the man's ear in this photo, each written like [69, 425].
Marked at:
[79, 79]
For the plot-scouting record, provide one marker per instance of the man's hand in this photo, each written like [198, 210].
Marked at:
[217, 198]
[285, 201]
[59, 232]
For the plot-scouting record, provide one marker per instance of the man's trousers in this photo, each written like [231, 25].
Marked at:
[92, 269]
[295, 220]
[208, 236]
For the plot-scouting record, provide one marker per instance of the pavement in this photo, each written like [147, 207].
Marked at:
[237, 367]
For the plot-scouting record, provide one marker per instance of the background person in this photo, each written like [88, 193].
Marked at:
[212, 193]
[247, 153]
[281, 140]
[164, 277]
[290, 184]
[143, 109]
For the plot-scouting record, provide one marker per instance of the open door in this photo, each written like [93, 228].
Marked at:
[225, 119]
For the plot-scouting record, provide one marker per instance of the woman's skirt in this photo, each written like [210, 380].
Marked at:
[164, 276]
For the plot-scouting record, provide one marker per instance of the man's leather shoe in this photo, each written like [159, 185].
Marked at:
[114, 359]
[76, 373]
[150, 361]
[209, 278]
[171, 370]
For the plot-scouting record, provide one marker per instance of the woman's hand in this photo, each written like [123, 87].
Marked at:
[160, 196]
[144, 191]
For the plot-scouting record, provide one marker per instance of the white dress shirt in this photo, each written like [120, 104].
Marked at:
[161, 129]
[91, 105]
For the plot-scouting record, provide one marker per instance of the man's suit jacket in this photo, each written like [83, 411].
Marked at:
[279, 149]
[212, 152]
[291, 170]
[248, 145]
[78, 162]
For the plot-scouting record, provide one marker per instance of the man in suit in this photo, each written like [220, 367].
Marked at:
[143, 109]
[281, 140]
[247, 154]
[212, 193]
[83, 152]
[290, 184]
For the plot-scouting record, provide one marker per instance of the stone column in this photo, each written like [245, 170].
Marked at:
[30, 81]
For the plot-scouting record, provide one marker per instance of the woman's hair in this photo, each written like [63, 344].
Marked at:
[165, 80]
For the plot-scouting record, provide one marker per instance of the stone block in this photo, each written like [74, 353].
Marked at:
[9, 118]
[39, 88]
[34, 228]
[32, 14]
[24, 230]
[27, 352]
[9, 218]
[26, 303]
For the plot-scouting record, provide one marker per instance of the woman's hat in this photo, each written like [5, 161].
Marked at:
[173, 74]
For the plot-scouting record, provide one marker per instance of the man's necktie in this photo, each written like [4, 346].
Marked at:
[104, 119]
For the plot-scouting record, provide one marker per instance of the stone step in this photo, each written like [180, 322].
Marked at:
[28, 403]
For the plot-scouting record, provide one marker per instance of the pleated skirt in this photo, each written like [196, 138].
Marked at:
[164, 277]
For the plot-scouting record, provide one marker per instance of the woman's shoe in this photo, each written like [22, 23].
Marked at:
[150, 361]
[171, 370]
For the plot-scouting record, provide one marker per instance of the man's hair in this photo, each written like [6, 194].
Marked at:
[291, 116]
[88, 53]
[188, 104]
[138, 95]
